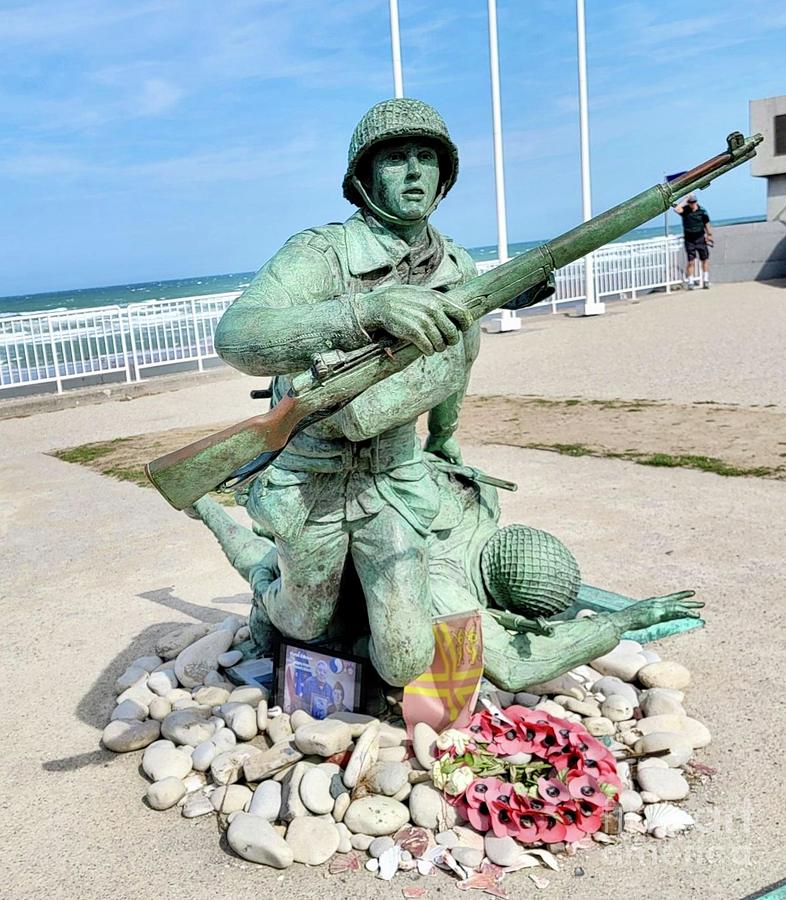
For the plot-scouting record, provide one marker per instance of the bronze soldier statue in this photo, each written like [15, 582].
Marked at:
[365, 326]
[354, 485]
[520, 578]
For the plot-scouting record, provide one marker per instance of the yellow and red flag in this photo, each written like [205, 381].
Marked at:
[445, 694]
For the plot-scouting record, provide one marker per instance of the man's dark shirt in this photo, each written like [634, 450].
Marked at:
[693, 222]
[317, 697]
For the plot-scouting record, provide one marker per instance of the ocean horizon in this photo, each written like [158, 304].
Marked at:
[199, 285]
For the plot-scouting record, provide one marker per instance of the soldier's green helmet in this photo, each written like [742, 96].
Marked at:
[529, 572]
[400, 118]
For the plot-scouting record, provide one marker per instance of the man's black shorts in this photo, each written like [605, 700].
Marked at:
[696, 245]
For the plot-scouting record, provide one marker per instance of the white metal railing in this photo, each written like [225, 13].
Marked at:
[165, 332]
[619, 269]
[56, 348]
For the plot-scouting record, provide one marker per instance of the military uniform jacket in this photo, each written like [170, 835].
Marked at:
[300, 303]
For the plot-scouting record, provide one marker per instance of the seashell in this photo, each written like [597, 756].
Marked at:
[526, 861]
[425, 866]
[344, 862]
[547, 858]
[667, 816]
[415, 839]
[448, 861]
[388, 862]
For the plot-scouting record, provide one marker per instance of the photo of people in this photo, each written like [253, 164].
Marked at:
[316, 682]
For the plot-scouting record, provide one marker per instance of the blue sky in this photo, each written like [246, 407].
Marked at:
[146, 139]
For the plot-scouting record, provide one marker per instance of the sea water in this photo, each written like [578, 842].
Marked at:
[123, 294]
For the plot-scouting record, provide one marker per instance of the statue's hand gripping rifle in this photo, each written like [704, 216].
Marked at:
[221, 460]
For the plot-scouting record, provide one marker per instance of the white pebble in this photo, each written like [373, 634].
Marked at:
[159, 708]
[129, 709]
[163, 682]
[165, 793]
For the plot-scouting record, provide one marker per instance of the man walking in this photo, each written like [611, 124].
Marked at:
[697, 232]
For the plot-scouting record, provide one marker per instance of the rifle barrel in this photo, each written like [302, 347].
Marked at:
[189, 473]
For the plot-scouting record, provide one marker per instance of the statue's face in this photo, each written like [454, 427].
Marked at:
[405, 178]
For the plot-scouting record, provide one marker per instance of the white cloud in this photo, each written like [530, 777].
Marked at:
[38, 165]
[43, 22]
[157, 96]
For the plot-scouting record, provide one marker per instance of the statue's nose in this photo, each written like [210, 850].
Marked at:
[413, 166]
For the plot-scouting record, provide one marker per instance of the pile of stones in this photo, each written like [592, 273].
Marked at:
[289, 788]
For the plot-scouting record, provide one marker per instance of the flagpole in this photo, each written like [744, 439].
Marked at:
[507, 320]
[591, 306]
[395, 46]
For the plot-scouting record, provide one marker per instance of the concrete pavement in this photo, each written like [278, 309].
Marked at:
[95, 569]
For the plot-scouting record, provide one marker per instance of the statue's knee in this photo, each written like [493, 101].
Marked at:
[299, 628]
[400, 665]
[298, 620]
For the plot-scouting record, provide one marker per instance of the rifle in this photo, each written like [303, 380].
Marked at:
[335, 378]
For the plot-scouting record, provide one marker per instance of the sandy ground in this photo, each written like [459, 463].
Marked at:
[723, 345]
[95, 569]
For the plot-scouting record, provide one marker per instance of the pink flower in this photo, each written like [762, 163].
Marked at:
[587, 746]
[479, 797]
[501, 811]
[510, 742]
[483, 726]
[552, 790]
[537, 734]
[570, 819]
[588, 817]
[551, 830]
[525, 826]
[585, 788]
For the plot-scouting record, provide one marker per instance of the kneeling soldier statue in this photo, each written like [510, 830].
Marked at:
[354, 484]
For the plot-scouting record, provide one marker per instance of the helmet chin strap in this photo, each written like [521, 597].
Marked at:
[387, 217]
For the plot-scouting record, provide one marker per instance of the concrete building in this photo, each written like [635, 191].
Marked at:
[769, 117]
[757, 251]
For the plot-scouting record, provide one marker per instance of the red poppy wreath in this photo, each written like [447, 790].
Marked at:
[527, 774]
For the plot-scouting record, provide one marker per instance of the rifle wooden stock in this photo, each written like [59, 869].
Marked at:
[181, 475]
[185, 475]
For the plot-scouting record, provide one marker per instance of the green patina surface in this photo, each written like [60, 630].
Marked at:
[389, 309]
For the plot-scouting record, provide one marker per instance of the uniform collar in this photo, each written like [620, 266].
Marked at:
[372, 246]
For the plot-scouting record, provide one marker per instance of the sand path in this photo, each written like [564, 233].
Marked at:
[94, 569]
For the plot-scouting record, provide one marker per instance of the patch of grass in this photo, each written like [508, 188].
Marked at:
[124, 460]
[568, 449]
[87, 453]
[664, 460]
[704, 463]
[134, 474]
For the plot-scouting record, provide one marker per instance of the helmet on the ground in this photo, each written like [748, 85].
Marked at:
[529, 572]
[398, 119]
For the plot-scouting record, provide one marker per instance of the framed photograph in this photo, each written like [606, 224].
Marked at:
[314, 679]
